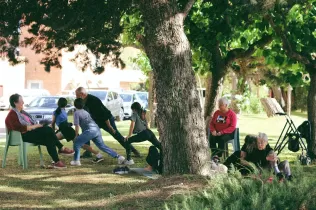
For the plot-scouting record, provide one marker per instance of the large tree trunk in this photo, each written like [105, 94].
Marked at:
[179, 111]
[151, 101]
[311, 110]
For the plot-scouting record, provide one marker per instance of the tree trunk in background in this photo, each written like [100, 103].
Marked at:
[289, 100]
[207, 103]
[219, 71]
[151, 100]
[278, 95]
[311, 110]
[179, 113]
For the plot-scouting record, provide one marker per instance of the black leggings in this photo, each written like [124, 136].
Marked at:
[140, 137]
[221, 141]
[44, 136]
[234, 160]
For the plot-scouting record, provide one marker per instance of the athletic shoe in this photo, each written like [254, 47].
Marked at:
[86, 154]
[280, 177]
[97, 160]
[290, 178]
[59, 165]
[129, 162]
[121, 160]
[75, 163]
[66, 152]
[121, 170]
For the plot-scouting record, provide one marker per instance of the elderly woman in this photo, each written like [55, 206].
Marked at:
[21, 121]
[257, 151]
[222, 127]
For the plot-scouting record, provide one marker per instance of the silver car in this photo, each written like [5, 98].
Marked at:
[128, 99]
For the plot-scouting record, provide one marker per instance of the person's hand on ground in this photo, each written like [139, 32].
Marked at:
[214, 133]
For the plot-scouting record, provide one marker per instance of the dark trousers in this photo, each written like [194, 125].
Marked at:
[145, 135]
[118, 136]
[234, 160]
[217, 143]
[44, 136]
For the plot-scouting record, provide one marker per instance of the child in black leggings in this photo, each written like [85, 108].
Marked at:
[139, 127]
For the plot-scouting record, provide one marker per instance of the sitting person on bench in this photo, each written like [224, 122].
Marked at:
[257, 151]
[222, 127]
[19, 120]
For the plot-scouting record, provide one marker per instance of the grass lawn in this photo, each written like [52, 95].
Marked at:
[93, 186]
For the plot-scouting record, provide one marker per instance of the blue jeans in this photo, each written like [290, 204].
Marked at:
[118, 136]
[94, 134]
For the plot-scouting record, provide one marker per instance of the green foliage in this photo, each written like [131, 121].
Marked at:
[253, 193]
[142, 61]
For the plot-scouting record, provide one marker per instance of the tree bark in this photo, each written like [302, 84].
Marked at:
[151, 99]
[311, 110]
[277, 93]
[219, 71]
[179, 113]
[207, 102]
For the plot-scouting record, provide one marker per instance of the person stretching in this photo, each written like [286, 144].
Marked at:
[90, 130]
[139, 127]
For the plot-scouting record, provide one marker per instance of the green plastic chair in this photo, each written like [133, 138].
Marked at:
[14, 138]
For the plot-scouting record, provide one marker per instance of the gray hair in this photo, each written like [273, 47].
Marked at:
[224, 101]
[263, 136]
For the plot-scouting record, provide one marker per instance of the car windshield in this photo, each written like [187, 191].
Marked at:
[100, 94]
[48, 102]
[142, 96]
[126, 97]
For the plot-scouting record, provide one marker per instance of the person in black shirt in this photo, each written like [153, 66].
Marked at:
[257, 151]
[102, 116]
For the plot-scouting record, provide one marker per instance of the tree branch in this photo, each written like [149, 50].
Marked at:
[287, 45]
[187, 8]
[241, 53]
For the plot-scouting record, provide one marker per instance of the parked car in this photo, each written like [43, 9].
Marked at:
[111, 100]
[144, 97]
[128, 99]
[30, 94]
[42, 108]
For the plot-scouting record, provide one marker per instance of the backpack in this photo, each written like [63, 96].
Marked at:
[293, 142]
[154, 159]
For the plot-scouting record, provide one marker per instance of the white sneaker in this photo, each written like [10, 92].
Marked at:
[129, 162]
[121, 160]
[75, 163]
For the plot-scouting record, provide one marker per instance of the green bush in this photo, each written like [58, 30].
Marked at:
[235, 192]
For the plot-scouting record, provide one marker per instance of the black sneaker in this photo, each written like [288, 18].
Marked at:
[290, 178]
[86, 154]
[121, 170]
[216, 159]
[280, 177]
[97, 160]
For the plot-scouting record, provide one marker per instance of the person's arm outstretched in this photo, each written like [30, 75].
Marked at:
[131, 128]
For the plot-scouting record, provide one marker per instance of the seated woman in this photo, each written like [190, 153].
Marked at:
[222, 127]
[19, 120]
[257, 151]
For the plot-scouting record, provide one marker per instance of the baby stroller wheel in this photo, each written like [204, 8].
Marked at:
[305, 160]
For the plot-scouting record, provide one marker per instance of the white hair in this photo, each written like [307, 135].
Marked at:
[223, 101]
[263, 136]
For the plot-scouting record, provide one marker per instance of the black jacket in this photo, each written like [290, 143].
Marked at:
[97, 110]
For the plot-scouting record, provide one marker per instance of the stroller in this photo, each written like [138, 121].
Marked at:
[293, 137]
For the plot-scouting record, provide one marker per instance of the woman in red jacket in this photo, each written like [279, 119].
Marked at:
[19, 120]
[222, 127]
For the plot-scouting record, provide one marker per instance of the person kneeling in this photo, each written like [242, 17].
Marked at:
[258, 152]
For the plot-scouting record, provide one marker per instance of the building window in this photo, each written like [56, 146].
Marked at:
[34, 84]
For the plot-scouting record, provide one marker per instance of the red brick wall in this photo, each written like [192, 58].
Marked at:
[34, 71]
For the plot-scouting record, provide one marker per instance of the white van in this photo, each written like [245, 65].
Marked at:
[30, 94]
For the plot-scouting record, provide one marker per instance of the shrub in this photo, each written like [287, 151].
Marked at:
[235, 193]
